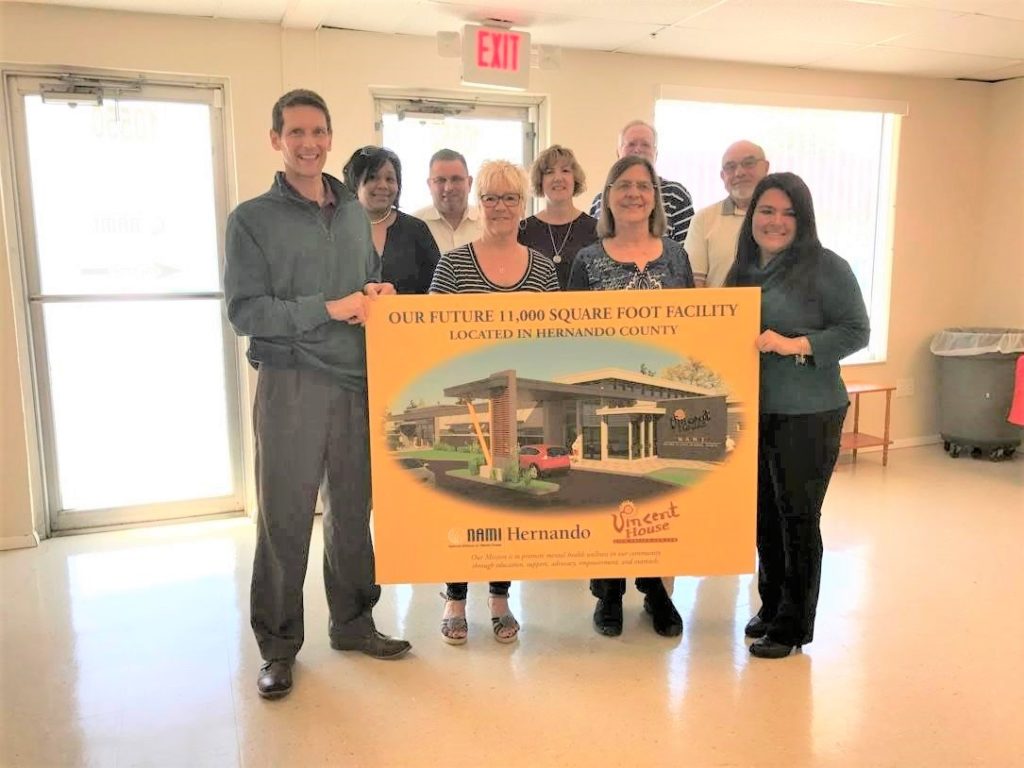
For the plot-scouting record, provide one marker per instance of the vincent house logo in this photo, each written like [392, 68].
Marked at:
[648, 526]
[683, 422]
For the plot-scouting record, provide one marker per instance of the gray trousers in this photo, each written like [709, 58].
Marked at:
[310, 431]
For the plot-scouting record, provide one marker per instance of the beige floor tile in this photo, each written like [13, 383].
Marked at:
[133, 649]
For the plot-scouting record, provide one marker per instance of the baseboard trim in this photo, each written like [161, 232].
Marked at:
[903, 442]
[19, 542]
[914, 442]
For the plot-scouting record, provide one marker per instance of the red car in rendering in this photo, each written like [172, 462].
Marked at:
[540, 460]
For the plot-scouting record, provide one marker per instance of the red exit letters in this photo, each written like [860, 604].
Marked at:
[497, 49]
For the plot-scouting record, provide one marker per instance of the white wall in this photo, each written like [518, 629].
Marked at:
[959, 198]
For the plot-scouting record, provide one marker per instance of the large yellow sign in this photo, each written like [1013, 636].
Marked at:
[566, 435]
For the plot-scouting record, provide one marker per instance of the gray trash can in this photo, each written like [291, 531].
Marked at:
[976, 372]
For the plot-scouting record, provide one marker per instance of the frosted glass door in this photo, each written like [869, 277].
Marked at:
[135, 365]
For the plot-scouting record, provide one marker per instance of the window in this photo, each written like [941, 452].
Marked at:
[415, 128]
[844, 150]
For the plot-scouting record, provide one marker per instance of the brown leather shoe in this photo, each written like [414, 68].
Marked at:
[275, 679]
[375, 644]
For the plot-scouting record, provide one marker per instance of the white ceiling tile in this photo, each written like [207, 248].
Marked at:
[983, 35]
[390, 16]
[1003, 9]
[206, 8]
[257, 10]
[546, 29]
[1003, 73]
[911, 61]
[642, 11]
[768, 49]
[837, 21]
[590, 34]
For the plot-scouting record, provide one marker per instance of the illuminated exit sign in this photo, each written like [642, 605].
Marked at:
[496, 57]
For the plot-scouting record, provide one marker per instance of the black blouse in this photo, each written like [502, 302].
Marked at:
[410, 255]
[559, 242]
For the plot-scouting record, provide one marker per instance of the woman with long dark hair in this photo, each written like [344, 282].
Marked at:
[812, 316]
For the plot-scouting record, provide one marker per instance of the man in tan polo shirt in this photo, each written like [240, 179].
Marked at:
[714, 231]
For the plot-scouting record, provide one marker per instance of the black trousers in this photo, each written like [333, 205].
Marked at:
[614, 589]
[795, 458]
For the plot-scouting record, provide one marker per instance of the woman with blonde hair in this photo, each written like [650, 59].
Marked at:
[493, 263]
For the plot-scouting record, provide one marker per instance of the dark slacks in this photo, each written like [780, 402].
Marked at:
[457, 590]
[310, 432]
[614, 589]
[796, 455]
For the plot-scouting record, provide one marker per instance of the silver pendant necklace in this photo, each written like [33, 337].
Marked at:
[557, 258]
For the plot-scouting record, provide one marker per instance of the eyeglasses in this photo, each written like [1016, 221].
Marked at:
[644, 187]
[747, 164]
[511, 200]
[455, 181]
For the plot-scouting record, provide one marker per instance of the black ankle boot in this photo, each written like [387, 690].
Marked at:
[608, 617]
[667, 621]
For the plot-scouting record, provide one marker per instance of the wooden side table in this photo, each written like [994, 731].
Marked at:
[853, 441]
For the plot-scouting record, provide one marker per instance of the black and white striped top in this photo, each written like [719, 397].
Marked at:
[678, 209]
[458, 271]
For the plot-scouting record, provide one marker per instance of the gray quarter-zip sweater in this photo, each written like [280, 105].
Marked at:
[284, 260]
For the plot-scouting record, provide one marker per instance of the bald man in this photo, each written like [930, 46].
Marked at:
[639, 137]
[714, 231]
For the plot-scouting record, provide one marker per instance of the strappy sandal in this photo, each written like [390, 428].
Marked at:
[454, 629]
[502, 624]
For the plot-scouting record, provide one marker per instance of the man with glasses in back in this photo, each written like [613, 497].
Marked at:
[715, 230]
[450, 219]
[639, 138]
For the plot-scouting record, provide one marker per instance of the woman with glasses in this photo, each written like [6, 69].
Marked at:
[632, 254]
[813, 315]
[561, 229]
[406, 247]
[494, 263]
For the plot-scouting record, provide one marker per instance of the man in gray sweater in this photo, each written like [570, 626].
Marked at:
[300, 275]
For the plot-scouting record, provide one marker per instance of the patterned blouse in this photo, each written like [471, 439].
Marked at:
[594, 270]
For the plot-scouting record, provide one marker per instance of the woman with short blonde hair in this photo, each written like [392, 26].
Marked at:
[493, 263]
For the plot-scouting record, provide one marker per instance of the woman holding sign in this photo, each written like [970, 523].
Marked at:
[633, 253]
[813, 316]
[495, 263]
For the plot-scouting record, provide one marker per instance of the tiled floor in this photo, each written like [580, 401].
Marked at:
[133, 648]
